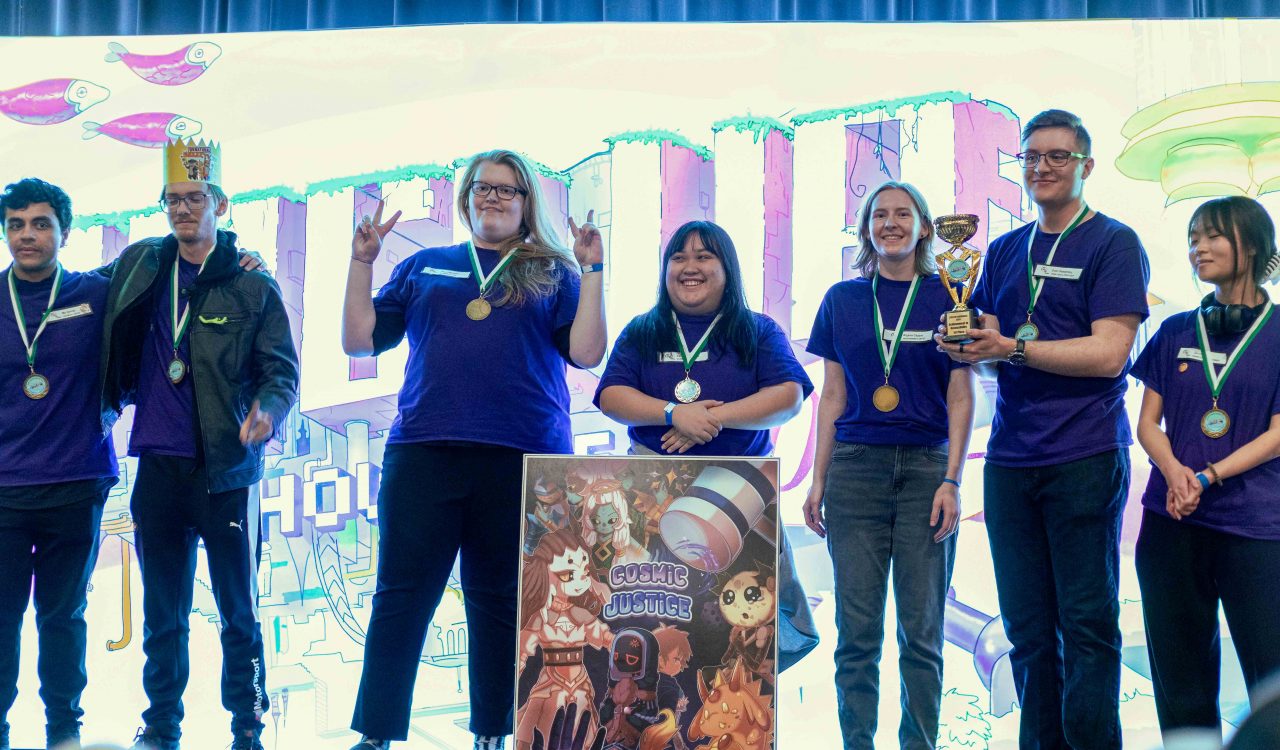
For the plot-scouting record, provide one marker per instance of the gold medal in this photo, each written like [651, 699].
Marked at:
[1215, 423]
[35, 386]
[479, 308]
[688, 390]
[177, 370]
[885, 398]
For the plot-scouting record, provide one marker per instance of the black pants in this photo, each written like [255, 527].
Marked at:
[59, 547]
[1184, 571]
[1055, 542]
[172, 507]
[434, 502]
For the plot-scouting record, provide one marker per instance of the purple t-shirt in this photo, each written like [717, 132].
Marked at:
[1245, 505]
[844, 332]
[1041, 418]
[721, 375]
[52, 450]
[500, 380]
[164, 423]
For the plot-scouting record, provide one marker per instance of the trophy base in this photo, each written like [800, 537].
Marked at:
[957, 324]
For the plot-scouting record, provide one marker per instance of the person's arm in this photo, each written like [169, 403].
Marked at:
[1184, 489]
[946, 500]
[830, 407]
[275, 363]
[588, 333]
[1261, 449]
[1102, 354]
[631, 407]
[767, 408]
[358, 315]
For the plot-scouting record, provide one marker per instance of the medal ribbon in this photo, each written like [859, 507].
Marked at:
[180, 323]
[30, 345]
[888, 354]
[486, 282]
[1218, 378]
[690, 357]
[1038, 285]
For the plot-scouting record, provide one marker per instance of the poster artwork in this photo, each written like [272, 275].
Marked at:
[648, 605]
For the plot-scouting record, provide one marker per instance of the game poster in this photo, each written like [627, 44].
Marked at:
[648, 604]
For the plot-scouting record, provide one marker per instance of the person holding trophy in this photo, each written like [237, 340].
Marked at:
[893, 430]
[1210, 522]
[1064, 296]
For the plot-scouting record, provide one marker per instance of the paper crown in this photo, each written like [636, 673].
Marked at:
[192, 161]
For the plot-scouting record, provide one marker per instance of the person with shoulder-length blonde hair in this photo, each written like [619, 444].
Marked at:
[894, 423]
[491, 323]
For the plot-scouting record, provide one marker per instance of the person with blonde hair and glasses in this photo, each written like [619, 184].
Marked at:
[894, 423]
[491, 323]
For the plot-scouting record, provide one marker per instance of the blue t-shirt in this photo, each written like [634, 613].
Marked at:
[718, 370]
[500, 380]
[1041, 418]
[164, 423]
[1248, 504]
[843, 332]
[52, 450]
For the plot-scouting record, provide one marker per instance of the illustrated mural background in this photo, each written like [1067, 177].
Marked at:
[774, 131]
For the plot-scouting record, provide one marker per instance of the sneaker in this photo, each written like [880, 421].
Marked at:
[367, 743]
[148, 738]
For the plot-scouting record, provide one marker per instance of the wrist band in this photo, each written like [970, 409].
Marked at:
[669, 409]
[949, 480]
[593, 268]
[366, 262]
[1204, 481]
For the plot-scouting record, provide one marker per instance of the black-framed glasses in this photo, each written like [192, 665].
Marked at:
[194, 201]
[1028, 159]
[505, 192]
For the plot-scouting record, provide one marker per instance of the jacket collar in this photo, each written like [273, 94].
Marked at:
[224, 260]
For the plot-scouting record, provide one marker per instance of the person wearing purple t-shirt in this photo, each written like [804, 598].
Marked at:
[56, 462]
[893, 430]
[1063, 298]
[491, 324]
[1211, 521]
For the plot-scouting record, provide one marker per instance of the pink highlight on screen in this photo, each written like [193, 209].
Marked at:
[871, 157]
[779, 160]
[981, 134]
[114, 241]
[688, 189]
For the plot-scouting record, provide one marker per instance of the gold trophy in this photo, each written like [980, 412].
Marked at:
[958, 267]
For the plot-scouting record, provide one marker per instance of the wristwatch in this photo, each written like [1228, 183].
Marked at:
[1018, 357]
[668, 409]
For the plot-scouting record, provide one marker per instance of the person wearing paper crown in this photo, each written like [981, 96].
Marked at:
[203, 348]
[1211, 521]
[894, 423]
[56, 462]
[492, 323]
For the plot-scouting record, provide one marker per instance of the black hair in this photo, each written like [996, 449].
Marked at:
[655, 330]
[1244, 218]
[24, 192]
[1060, 118]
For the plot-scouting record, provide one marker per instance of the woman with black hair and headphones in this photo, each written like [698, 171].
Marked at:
[1211, 513]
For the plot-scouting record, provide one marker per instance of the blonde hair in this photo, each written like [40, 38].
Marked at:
[866, 261]
[541, 257]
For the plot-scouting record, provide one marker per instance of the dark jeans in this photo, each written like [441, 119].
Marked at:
[172, 509]
[434, 502]
[1055, 541]
[1184, 571]
[877, 505]
[59, 547]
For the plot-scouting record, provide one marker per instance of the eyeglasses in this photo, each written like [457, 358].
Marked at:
[1029, 159]
[505, 192]
[194, 201]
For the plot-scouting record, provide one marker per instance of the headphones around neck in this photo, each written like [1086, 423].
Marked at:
[1228, 320]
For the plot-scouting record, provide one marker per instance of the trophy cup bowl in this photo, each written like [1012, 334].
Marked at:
[957, 229]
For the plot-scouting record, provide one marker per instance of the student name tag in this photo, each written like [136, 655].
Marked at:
[447, 272]
[675, 357]
[66, 313]
[1057, 272]
[1193, 353]
[909, 336]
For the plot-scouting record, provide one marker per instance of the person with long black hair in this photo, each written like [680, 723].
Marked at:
[492, 323]
[1211, 522]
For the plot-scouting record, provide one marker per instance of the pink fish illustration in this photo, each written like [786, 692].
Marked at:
[145, 129]
[174, 69]
[51, 101]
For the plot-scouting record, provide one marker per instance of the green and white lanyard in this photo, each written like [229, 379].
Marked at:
[688, 390]
[1215, 423]
[886, 397]
[35, 385]
[1028, 331]
[479, 308]
[177, 368]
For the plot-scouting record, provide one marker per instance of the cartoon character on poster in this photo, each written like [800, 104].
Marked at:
[608, 632]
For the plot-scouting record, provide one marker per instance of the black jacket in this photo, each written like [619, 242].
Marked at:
[241, 349]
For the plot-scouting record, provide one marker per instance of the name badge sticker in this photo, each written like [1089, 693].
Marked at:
[1193, 354]
[66, 313]
[909, 336]
[449, 272]
[1045, 271]
[664, 357]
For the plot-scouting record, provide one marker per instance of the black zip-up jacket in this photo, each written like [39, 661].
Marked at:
[241, 349]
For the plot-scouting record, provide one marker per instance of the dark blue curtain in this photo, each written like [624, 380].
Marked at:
[128, 17]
